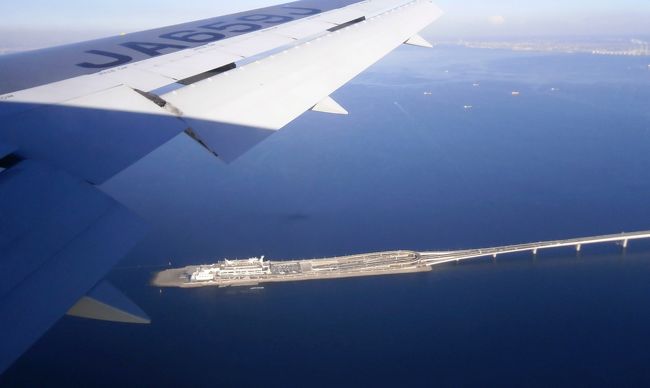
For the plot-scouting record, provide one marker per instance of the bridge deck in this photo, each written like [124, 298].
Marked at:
[434, 258]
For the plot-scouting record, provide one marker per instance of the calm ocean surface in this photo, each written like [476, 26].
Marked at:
[568, 157]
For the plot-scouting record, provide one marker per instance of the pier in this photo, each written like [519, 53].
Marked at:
[255, 271]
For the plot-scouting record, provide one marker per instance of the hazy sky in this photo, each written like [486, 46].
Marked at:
[548, 17]
[43, 22]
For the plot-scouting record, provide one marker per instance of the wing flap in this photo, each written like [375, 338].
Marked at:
[32, 226]
[269, 93]
[56, 254]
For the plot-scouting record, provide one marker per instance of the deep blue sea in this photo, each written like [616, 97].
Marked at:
[568, 157]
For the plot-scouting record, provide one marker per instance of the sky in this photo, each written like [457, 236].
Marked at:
[37, 23]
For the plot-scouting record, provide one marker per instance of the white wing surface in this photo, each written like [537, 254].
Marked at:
[270, 92]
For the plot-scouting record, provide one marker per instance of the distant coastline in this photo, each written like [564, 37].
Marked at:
[635, 47]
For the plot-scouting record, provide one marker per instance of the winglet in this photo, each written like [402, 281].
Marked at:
[328, 105]
[418, 40]
[107, 303]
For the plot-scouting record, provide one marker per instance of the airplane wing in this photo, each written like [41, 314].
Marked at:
[74, 116]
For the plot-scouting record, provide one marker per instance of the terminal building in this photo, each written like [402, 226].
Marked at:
[231, 269]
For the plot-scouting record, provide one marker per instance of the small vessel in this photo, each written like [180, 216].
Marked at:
[257, 288]
[468, 107]
[516, 93]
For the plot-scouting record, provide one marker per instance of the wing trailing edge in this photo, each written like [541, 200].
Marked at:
[59, 236]
[243, 106]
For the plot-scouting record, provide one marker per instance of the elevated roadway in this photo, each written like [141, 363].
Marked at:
[435, 258]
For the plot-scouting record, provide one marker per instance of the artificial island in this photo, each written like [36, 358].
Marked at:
[256, 271]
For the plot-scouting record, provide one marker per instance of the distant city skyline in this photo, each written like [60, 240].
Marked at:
[36, 23]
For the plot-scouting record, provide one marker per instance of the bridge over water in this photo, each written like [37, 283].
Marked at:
[435, 258]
